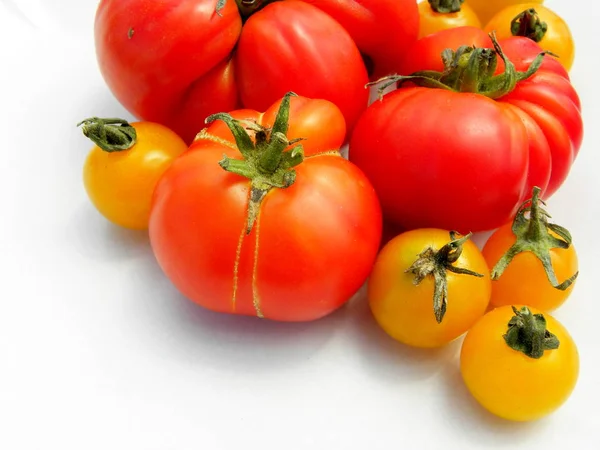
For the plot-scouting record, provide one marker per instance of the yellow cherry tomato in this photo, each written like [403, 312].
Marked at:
[539, 23]
[428, 287]
[486, 9]
[533, 262]
[438, 15]
[519, 364]
[122, 169]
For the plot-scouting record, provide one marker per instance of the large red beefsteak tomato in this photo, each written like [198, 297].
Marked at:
[253, 223]
[177, 61]
[461, 143]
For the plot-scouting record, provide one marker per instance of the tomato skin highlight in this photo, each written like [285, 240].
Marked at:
[311, 248]
[120, 184]
[510, 384]
[405, 310]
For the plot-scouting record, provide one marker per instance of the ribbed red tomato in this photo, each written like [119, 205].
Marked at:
[463, 148]
[257, 225]
[177, 61]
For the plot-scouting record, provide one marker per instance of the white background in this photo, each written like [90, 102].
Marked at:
[98, 351]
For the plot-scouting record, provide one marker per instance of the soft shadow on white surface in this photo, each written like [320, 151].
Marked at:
[175, 328]
[94, 237]
[387, 359]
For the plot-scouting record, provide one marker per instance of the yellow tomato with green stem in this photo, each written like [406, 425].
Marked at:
[428, 287]
[122, 169]
[486, 9]
[538, 23]
[519, 363]
[533, 261]
[438, 15]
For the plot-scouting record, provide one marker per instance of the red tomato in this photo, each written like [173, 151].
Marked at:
[284, 237]
[424, 54]
[177, 61]
[470, 151]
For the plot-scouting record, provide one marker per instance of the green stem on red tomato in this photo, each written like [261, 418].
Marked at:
[533, 235]
[267, 162]
[469, 69]
[529, 25]
[437, 263]
[446, 6]
[111, 135]
[527, 333]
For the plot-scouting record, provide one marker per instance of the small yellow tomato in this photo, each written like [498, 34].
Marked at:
[122, 169]
[519, 364]
[486, 9]
[438, 15]
[533, 262]
[428, 287]
[538, 23]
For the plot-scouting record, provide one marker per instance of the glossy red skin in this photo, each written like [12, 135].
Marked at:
[175, 67]
[383, 30]
[417, 191]
[430, 169]
[552, 102]
[158, 73]
[272, 63]
[311, 248]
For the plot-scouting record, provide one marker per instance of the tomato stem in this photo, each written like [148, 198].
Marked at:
[111, 135]
[527, 333]
[437, 263]
[529, 25]
[268, 161]
[446, 6]
[245, 7]
[533, 235]
[469, 69]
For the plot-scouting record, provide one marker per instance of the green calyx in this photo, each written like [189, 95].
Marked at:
[533, 235]
[529, 25]
[267, 161]
[469, 69]
[527, 333]
[436, 263]
[246, 7]
[111, 135]
[446, 6]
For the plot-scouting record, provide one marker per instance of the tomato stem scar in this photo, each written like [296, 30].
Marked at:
[529, 25]
[268, 161]
[446, 6]
[111, 135]
[533, 235]
[437, 263]
[527, 333]
[469, 69]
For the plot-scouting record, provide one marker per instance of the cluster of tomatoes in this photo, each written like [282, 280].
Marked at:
[235, 168]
